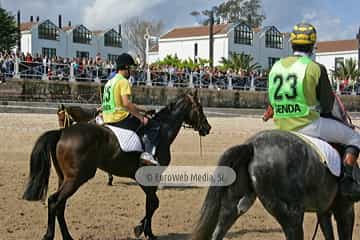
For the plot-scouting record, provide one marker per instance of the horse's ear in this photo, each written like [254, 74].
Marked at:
[61, 107]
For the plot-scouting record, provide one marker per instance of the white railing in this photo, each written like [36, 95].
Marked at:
[73, 72]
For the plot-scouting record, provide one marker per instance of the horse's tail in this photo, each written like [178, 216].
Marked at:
[235, 157]
[40, 164]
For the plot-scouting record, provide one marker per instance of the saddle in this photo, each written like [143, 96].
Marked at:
[129, 141]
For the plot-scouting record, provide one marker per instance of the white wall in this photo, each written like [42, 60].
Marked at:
[184, 48]
[223, 45]
[65, 47]
[328, 59]
[26, 42]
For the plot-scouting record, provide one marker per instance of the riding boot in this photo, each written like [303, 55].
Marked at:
[148, 156]
[350, 181]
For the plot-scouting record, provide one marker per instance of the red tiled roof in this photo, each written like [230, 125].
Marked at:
[26, 26]
[337, 46]
[196, 31]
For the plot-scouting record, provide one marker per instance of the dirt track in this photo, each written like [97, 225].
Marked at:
[100, 212]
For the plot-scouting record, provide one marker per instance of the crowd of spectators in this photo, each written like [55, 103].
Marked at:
[204, 76]
[55, 68]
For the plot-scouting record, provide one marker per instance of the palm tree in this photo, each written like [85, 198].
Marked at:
[240, 61]
[348, 71]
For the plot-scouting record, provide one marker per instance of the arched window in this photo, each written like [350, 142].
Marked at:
[112, 39]
[243, 34]
[49, 31]
[274, 38]
[82, 35]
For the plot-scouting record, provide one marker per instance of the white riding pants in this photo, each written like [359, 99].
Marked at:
[332, 131]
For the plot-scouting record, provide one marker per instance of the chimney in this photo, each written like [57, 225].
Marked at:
[119, 29]
[69, 24]
[37, 19]
[19, 31]
[31, 18]
[60, 21]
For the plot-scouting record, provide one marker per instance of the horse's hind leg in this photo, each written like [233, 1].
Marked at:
[56, 207]
[289, 215]
[231, 209]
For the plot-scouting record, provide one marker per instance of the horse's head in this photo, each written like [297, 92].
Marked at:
[64, 118]
[195, 116]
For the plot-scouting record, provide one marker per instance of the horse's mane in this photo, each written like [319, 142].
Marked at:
[81, 114]
[165, 112]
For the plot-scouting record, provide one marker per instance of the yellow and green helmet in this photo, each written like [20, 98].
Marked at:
[303, 34]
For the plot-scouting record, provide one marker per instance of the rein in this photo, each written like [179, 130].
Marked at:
[67, 120]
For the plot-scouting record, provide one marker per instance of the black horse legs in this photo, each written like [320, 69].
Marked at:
[56, 208]
[152, 203]
[345, 217]
[326, 225]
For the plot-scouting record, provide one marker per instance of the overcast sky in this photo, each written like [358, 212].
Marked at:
[334, 19]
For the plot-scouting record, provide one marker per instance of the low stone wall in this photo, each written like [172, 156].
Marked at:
[31, 90]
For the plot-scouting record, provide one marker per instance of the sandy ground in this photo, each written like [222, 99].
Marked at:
[100, 212]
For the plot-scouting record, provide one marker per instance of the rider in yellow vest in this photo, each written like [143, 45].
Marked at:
[302, 99]
[119, 111]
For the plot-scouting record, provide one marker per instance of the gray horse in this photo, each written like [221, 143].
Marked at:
[287, 176]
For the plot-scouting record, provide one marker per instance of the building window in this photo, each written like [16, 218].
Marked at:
[80, 54]
[112, 39]
[82, 35]
[49, 52]
[338, 61]
[273, 38]
[112, 58]
[243, 34]
[49, 31]
[272, 61]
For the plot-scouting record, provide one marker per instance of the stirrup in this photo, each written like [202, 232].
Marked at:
[148, 159]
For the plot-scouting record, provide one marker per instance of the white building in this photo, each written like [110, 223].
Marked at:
[330, 53]
[265, 45]
[48, 39]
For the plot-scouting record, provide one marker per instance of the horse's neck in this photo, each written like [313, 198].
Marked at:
[172, 125]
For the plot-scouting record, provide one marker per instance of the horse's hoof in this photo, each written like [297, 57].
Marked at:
[47, 238]
[138, 230]
[109, 184]
[152, 237]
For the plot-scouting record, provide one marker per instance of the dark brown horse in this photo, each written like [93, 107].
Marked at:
[69, 115]
[78, 151]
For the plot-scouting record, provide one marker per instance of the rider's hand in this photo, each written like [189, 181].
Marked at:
[145, 121]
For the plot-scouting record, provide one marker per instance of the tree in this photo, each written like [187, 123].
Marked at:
[239, 62]
[348, 71]
[135, 30]
[9, 34]
[232, 11]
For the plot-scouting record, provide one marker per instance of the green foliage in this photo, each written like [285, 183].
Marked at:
[174, 61]
[231, 11]
[8, 31]
[347, 70]
[239, 62]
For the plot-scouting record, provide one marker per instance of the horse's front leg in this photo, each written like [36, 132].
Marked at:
[152, 203]
[345, 217]
[326, 225]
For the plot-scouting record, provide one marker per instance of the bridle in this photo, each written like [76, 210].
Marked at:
[196, 126]
[68, 119]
